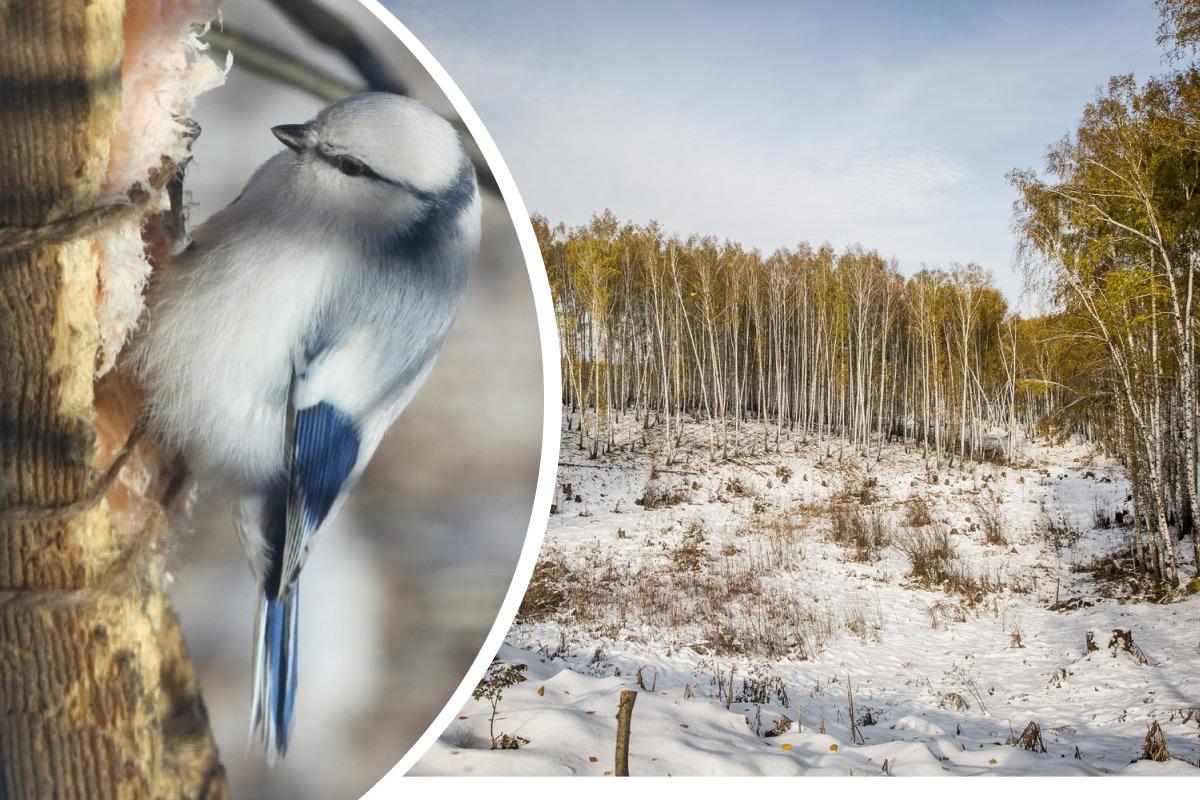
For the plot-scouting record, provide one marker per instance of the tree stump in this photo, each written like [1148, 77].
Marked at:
[624, 717]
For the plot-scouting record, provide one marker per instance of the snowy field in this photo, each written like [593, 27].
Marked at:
[790, 577]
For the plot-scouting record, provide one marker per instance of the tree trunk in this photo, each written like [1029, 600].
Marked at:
[97, 695]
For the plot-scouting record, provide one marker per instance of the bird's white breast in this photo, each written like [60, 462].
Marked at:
[218, 359]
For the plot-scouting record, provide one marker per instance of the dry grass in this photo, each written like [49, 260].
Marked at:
[991, 522]
[1060, 532]
[545, 595]
[659, 495]
[782, 725]
[916, 512]
[864, 619]
[778, 537]
[864, 532]
[763, 687]
[691, 554]
[1121, 641]
[935, 563]
[945, 613]
[1030, 739]
[719, 600]
[738, 488]
[857, 488]
[1155, 746]
[929, 551]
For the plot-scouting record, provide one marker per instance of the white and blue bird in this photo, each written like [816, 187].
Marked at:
[294, 329]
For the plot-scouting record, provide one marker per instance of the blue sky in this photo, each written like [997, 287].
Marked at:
[890, 124]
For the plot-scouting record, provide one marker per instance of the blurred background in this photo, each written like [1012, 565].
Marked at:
[405, 583]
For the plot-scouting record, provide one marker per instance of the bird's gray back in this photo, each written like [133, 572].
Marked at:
[396, 308]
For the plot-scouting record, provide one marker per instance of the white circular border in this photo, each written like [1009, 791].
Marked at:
[389, 785]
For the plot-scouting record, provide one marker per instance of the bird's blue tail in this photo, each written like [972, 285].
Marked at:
[275, 669]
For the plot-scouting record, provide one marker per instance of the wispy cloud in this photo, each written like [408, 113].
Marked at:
[890, 127]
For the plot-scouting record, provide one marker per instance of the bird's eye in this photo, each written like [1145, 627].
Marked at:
[350, 166]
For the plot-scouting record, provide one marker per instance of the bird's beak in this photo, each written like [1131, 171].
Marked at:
[294, 136]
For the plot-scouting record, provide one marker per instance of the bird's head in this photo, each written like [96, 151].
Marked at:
[379, 157]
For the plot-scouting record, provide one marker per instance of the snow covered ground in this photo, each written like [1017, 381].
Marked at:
[669, 580]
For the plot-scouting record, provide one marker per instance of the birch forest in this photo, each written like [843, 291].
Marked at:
[841, 351]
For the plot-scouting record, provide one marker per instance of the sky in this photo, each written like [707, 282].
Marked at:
[888, 124]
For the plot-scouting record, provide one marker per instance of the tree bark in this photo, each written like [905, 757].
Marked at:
[624, 718]
[97, 695]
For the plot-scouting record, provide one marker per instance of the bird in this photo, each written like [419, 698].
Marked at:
[296, 326]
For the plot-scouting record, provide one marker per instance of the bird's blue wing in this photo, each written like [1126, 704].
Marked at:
[323, 449]
[324, 446]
